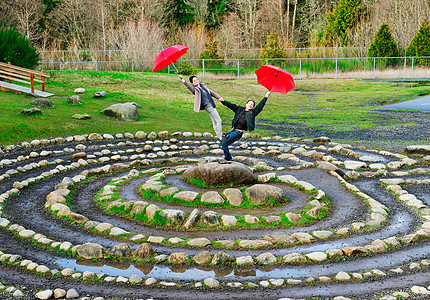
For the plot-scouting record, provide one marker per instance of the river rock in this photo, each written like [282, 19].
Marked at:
[233, 196]
[294, 258]
[90, 250]
[144, 251]
[212, 283]
[199, 242]
[126, 111]
[122, 250]
[281, 238]
[42, 102]
[177, 258]
[221, 258]
[260, 193]
[293, 217]
[192, 219]
[210, 218]
[174, 216]
[74, 100]
[418, 149]
[99, 94]
[228, 220]
[202, 258]
[188, 196]
[266, 258]
[216, 174]
[212, 197]
[31, 111]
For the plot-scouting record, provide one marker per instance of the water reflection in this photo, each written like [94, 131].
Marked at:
[146, 269]
[245, 272]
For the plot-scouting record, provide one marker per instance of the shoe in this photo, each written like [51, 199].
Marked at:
[223, 161]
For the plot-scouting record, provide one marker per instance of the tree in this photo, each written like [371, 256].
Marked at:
[420, 44]
[383, 44]
[177, 13]
[273, 48]
[216, 10]
[17, 49]
[341, 21]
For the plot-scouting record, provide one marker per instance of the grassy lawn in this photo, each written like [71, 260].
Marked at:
[168, 105]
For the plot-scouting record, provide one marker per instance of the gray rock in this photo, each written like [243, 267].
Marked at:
[212, 197]
[221, 258]
[72, 294]
[42, 102]
[188, 196]
[81, 116]
[177, 258]
[293, 217]
[321, 139]
[192, 219]
[210, 218]
[418, 149]
[90, 250]
[173, 216]
[144, 251]
[216, 174]
[31, 111]
[79, 91]
[233, 196]
[99, 94]
[203, 257]
[126, 111]
[266, 258]
[74, 100]
[294, 258]
[122, 251]
[260, 193]
[212, 283]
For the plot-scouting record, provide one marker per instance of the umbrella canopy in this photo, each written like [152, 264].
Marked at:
[168, 56]
[275, 79]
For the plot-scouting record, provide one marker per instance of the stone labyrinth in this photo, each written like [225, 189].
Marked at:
[155, 216]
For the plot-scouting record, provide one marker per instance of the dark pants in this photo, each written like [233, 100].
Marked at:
[232, 137]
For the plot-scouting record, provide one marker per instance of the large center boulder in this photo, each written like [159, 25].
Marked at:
[126, 111]
[216, 174]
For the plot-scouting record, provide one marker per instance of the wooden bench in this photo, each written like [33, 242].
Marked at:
[10, 73]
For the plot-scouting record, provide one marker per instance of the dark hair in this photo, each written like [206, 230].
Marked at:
[252, 102]
[192, 77]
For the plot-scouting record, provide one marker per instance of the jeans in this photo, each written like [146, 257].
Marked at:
[232, 137]
[216, 120]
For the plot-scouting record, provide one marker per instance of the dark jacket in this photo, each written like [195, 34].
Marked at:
[198, 94]
[249, 115]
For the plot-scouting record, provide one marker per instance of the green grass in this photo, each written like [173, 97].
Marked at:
[167, 105]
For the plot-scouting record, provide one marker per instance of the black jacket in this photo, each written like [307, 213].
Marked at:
[250, 114]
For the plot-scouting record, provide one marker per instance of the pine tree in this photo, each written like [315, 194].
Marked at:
[216, 12]
[341, 21]
[177, 13]
[17, 49]
[273, 48]
[384, 45]
[420, 44]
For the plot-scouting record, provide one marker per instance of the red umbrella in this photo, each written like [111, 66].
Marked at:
[275, 79]
[168, 56]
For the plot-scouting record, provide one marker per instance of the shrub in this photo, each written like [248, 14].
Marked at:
[384, 45]
[273, 48]
[211, 52]
[17, 49]
[420, 44]
[185, 67]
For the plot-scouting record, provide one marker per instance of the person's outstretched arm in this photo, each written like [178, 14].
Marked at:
[230, 105]
[260, 105]
[189, 86]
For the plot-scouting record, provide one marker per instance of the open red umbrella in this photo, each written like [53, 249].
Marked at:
[275, 79]
[168, 56]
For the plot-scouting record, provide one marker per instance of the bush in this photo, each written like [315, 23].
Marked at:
[384, 45]
[185, 67]
[273, 48]
[211, 52]
[420, 44]
[17, 49]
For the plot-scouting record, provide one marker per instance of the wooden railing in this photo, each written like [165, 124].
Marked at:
[12, 73]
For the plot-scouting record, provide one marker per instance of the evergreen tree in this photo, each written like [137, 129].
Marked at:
[383, 44]
[273, 48]
[177, 13]
[341, 21]
[420, 44]
[216, 11]
[17, 49]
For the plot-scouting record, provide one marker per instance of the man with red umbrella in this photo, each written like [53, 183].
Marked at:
[204, 101]
[244, 120]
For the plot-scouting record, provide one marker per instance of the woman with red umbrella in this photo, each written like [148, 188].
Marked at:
[244, 120]
[204, 101]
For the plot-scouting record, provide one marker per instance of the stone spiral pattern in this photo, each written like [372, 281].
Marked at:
[65, 200]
